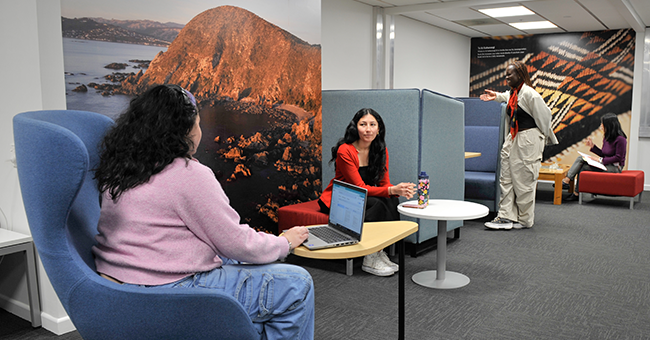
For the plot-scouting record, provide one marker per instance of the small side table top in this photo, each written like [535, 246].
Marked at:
[448, 210]
[374, 237]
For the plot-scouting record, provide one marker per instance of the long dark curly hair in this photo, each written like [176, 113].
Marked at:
[147, 137]
[612, 127]
[377, 152]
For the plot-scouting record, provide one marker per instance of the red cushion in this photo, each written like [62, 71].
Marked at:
[307, 213]
[628, 183]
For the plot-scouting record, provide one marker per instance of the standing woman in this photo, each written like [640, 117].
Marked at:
[521, 155]
[361, 159]
[166, 222]
[612, 155]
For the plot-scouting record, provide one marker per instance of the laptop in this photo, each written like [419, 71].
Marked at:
[347, 212]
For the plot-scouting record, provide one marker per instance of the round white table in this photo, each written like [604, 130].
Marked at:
[443, 211]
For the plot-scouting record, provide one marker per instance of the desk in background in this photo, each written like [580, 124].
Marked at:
[12, 242]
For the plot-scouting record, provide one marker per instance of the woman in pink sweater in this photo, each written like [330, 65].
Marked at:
[166, 222]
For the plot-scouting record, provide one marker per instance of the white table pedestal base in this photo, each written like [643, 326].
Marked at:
[443, 211]
[428, 278]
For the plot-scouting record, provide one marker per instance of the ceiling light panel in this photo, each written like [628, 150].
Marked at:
[503, 12]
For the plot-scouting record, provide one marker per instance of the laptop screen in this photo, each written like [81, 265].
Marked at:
[348, 206]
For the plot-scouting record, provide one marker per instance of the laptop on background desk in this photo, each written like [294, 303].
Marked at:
[347, 212]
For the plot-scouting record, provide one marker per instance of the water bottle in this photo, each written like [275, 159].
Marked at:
[423, 189]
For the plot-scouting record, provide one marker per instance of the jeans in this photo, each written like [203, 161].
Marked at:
[279, 298]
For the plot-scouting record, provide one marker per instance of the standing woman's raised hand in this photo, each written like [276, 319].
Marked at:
[488, 96]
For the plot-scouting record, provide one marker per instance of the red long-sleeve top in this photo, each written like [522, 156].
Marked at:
[347, 170]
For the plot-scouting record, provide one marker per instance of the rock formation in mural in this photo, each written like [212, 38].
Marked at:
[259, 91]
[229, 52]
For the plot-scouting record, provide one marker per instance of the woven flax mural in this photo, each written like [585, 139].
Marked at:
[581, 76]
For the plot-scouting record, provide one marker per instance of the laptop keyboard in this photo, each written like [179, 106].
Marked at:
[328, 235]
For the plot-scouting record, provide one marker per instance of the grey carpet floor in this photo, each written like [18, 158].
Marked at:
[582, 272]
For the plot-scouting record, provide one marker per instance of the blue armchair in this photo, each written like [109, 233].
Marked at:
[54, 152]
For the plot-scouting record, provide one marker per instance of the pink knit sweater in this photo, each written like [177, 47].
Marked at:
[175, 225]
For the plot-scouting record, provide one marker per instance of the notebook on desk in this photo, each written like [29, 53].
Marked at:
[347, 212]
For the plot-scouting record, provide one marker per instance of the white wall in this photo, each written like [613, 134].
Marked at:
[346, 45]
[427, 57]
[31, 64]
[639, 148]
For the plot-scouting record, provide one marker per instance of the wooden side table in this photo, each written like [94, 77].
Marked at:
[12, 242]
[556, 175]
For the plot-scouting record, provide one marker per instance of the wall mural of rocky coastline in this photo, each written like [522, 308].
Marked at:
[259, 93]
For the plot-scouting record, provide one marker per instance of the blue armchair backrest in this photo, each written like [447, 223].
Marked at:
[54, 152]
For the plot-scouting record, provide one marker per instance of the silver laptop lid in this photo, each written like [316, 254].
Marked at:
[348, 208]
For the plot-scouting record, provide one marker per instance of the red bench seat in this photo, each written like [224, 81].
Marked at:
[628, 183]
[301, 214]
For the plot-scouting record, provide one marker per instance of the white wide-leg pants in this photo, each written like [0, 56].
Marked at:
[520, 162]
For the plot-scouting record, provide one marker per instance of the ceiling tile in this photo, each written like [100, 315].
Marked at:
[605, 12]
[642, 8]
[498, 30]
[410, 2]
[569, 15]
[462, 13]
[572, 17]
[377, 3]
[546, 30]
[446, 24]
[478, 22]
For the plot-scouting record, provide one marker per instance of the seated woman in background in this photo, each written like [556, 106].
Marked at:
[166, 222]
[612, 154]
[361, 159]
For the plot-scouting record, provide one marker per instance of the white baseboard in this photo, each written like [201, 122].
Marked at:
[15, 307]
[57, 326]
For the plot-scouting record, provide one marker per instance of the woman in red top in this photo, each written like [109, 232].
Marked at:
[361, 159]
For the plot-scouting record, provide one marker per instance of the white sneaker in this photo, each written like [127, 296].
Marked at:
[499, 223]
[517, 225]
[384, 257]
[373, 264]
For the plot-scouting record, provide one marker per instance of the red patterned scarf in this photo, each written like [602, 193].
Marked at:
[512, 105]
